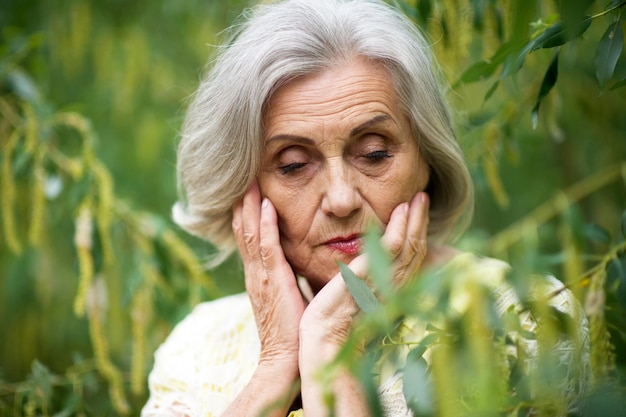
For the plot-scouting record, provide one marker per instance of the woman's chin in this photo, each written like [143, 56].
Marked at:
[317, 280]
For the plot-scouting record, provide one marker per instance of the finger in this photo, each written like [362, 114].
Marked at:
[250, 215]
[415, 245]
[271, 252]
[238, 227]
[395, 232]
[335, 298]
[418, 217]
[246, 213]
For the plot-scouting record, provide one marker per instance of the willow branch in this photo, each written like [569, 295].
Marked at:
[557, 204]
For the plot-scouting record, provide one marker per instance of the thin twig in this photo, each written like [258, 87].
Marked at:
[557, 204]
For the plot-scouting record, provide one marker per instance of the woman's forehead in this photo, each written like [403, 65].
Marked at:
[352, 95]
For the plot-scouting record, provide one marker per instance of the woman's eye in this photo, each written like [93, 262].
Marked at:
[377, 156]
[289, 168]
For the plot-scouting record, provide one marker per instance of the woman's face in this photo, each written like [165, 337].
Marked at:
[339, 155]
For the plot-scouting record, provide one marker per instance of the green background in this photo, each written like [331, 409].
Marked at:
[130, 68]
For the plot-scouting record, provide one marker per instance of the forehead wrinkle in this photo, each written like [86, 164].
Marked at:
[312, 92]
[310, 105]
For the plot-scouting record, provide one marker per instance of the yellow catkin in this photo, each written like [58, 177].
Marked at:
[602, 358]
[140, 314]
[490, 166]
[84, 129]
[31, 130]
[435, 31]
[38, 201]
[9, 112]
[446, 385]
[136, 65]
[187, 258]
[490, 42]
[97, 334]
[137, 51]
[79, 36]
[8, 195]
[57, 33]
[548, 334]
[465, 26]
[449, 53]
[104, 209]
[507, 18]
[30, 409]
[573, 266]
[482, 345]
[83, 244]
[103, 55]
[73, 166]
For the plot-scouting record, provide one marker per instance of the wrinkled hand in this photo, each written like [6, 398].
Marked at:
[405, 238]
[329, 317]
[270, 282]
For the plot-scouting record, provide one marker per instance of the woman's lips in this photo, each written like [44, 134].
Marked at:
[350, 245]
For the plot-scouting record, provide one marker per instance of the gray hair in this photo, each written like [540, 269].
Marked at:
[220, 151]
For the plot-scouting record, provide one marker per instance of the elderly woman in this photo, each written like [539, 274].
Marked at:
[318, 120]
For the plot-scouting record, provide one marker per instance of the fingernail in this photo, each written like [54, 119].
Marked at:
[405, 208]
[264, 203]
[423, 198]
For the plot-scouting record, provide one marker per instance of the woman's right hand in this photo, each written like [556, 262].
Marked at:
[270, 282]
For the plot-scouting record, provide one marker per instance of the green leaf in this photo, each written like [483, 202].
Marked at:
[514, 60]
[491, 90]
[558, 34]
[573, 12]
[417, 386]
[548, 82]
[378, 262]
[608, 52]
[614, 274]
[555, 35]
[23, 86]
[484, 69]
[618, 84]
[623, 224]
[362, 293]
[41, 380]
[596, 233]
[478, 71]
[424, 344]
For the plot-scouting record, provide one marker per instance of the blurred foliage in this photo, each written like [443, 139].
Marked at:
[492, 345]
[94, 275]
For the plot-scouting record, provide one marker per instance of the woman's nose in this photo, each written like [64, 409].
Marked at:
[341, 195]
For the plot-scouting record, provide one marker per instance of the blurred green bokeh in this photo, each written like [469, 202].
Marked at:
[130, 67]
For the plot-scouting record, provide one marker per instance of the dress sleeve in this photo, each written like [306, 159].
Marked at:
[206, 360]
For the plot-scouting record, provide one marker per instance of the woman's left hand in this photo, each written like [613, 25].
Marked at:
[327, 320]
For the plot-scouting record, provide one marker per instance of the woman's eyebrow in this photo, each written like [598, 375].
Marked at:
[369, 124]
[291, 138]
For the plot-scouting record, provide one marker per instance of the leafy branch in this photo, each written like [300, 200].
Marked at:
[46, 155]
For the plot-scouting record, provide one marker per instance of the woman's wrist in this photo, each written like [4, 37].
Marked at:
[271, 390]
[285, 367]
[316, 352]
